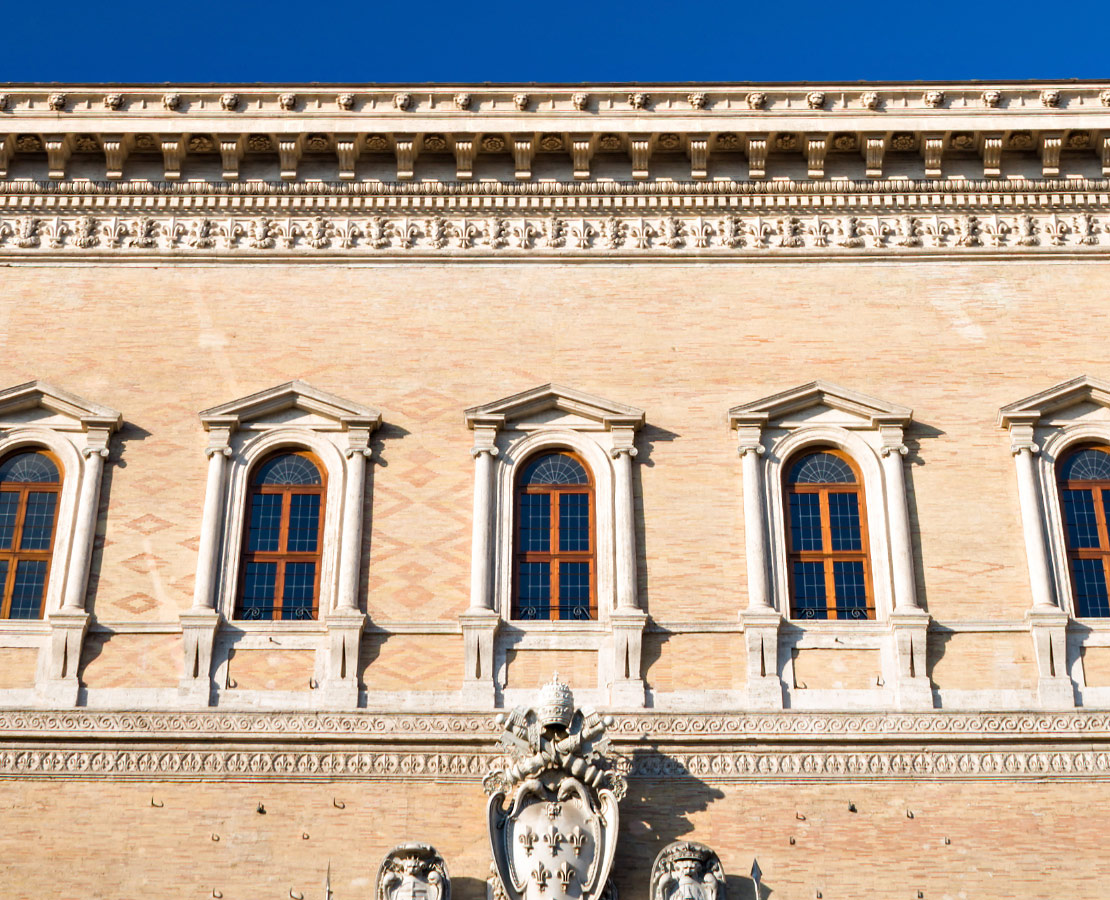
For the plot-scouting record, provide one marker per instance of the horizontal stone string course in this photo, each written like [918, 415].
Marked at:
[628, 730]
[187, 765]
[727, 235]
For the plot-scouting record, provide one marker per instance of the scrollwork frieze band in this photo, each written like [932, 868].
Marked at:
[748, 234]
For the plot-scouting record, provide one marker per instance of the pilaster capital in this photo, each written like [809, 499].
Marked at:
[1016, 448]
[211, 451]
[616, 452]
[358, 442]
[749, 438]
[624, 440]
[746, 447]
[477, 451]
[888, 449]
[89, 452]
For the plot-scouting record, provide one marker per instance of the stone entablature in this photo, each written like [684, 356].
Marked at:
[648, 125]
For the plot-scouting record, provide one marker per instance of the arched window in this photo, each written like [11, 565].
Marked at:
[826, 537]
[1084, 481]
[281, 554]
[30, 485]
[555, 572]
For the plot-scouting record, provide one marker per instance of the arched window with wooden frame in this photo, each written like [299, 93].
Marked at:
[828, 561]
[1083, 479]
[30, 488]
[280, 575]
[555, 571]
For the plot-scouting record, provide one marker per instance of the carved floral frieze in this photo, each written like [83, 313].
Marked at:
[718, 767]
[751, 233]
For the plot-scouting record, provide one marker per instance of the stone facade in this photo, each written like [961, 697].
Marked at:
[423, 285]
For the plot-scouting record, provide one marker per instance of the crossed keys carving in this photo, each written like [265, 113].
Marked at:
[541, 875]
[527, 840]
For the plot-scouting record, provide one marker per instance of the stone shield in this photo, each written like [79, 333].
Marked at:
[555, 842]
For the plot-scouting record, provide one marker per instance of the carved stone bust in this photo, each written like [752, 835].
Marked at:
[413, 871]
[686, 870]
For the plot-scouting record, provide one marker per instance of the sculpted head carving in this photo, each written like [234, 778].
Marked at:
[686, 870]
[345, 101]
[520, 101]
[229, 101]
[287, 101]
[402, 101]
[933, 99]
[869, 100]
[556, 838]
[992, 98]
[413, 871]
[757, 100]
[580, 100]
[171, 101]
[57, 102]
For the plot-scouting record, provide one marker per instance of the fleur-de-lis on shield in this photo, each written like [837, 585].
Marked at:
[576, 839]
[553, 839]
[527, 840]
[541, 875]
[565, 875]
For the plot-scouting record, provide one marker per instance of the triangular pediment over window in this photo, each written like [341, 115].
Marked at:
[293, 403]
[553, 405]
[40, 403]
[1067, 402]
[820, 402]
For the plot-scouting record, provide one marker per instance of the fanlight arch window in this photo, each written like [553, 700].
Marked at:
[280, 577]
[555, 571]
[1083, 478]
[30, 488]
[828, 560]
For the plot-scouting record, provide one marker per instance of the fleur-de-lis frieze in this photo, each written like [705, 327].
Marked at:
[527, 839]
[554, 838]
[577, 840]
[566, 874]
[541, 876]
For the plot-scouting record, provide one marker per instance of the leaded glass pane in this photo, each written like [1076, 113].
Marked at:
[805, 522]
[299, 590]
[822, 468]
[289, 468]
[265, 526]
[26, 468]
[304, 523]
[259, 582]
[535, 523]
[533, 586]
[30, 582]
[555, 468]
[38, 522]
[844, 522]
[1080, 518]
[574, 590]
[1090, 588]
[851, 589]
[574, 523]
[1087, 465]
[809, 590]
[9, 507]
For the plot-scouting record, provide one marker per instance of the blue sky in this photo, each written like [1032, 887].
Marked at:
[555, 40]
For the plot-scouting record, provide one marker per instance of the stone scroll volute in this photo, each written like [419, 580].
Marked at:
[553, 815]
[413, 871]
[686, 870]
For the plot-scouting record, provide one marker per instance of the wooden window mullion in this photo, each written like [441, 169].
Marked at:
[283, 546]
[827, 552]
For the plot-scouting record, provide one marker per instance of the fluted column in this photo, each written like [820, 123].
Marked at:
[87, 504]
[625, 525]
[350, 554]
[901, 546]
[755, 527]
[1032, 522]
[204, 593]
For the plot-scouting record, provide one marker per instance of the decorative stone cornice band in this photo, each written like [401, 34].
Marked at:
[165, 764]
[629, 730]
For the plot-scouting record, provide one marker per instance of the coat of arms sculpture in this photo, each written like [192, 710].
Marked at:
[686, 870]
[413, 872]
[557, 837]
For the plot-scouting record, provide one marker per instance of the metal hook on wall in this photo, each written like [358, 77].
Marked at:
[338, 804]
[295, 895]
[157, 804]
